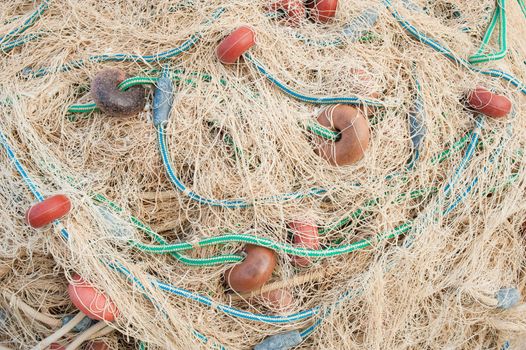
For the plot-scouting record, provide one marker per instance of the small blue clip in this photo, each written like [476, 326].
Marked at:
[507, 297]
[281, 341]
[162, 98]
[84, 324]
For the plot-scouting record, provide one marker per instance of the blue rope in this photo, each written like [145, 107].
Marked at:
[417, 122]
[225, 203]
[474, 182]
[448, 53]
[180, 291]
[310, 99]
[29, 182]
[467, 157]
[12, 157]
[202, 299]
[188, 44]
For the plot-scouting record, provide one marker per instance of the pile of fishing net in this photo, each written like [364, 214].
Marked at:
[218, 212]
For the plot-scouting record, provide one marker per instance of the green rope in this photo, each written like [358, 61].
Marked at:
[277, 246]
[145, 80]
[358, 214]
[134, 81]
[215, 260]
[523, 7]
[125, 85]
[320, 130]
[28, 23]
[458, 145]
[210, 261]
[83, 108]
[6, 47]
[164, 247]
[499, 16]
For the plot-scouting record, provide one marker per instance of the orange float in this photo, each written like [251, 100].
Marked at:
[294, 10]
[253, 272]
[47, 211]
[233, 46]
[97, 345]
[322, 11]
[354, 130]
[279, 299]
[305, 235]
[56, 346]
[90, 301]
[488, 103]
[362, 84]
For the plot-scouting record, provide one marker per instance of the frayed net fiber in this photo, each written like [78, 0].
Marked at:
[421, 241]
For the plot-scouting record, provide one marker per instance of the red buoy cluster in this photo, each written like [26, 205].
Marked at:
[294, 11]
[256, 269]
[234, 45]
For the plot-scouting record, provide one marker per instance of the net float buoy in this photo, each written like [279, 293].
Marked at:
[278, 299]
[354, 130]
[304, 235]
[47, 211]
[113, 101]
[253, 272]
[364, 85]
[90, 301]
[97, 345]
[322, 11]
[234, 45]
[293, 11]
[488, 103]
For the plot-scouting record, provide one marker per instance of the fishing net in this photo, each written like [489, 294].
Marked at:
[416, 240]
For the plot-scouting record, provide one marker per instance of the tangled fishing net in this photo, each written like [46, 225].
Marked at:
[421, 245]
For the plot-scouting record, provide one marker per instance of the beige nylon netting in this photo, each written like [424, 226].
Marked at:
[436, 293]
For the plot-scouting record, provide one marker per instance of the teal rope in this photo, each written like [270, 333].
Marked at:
[351, 100]
[156, 58]
[210, 261]
[448, 53]
[27, 23]
[7, 47]
[500, 15]
[277, 246]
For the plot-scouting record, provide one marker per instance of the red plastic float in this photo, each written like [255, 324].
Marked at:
[354, 130]
[488, 103]
[323, 10]
[253, 272]
[47, 211]
[279, 299]
[305, 235]
[97, 345]
[56, 346]
[91, 302]
[235, 45]
[294, 10]
[363, 84]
